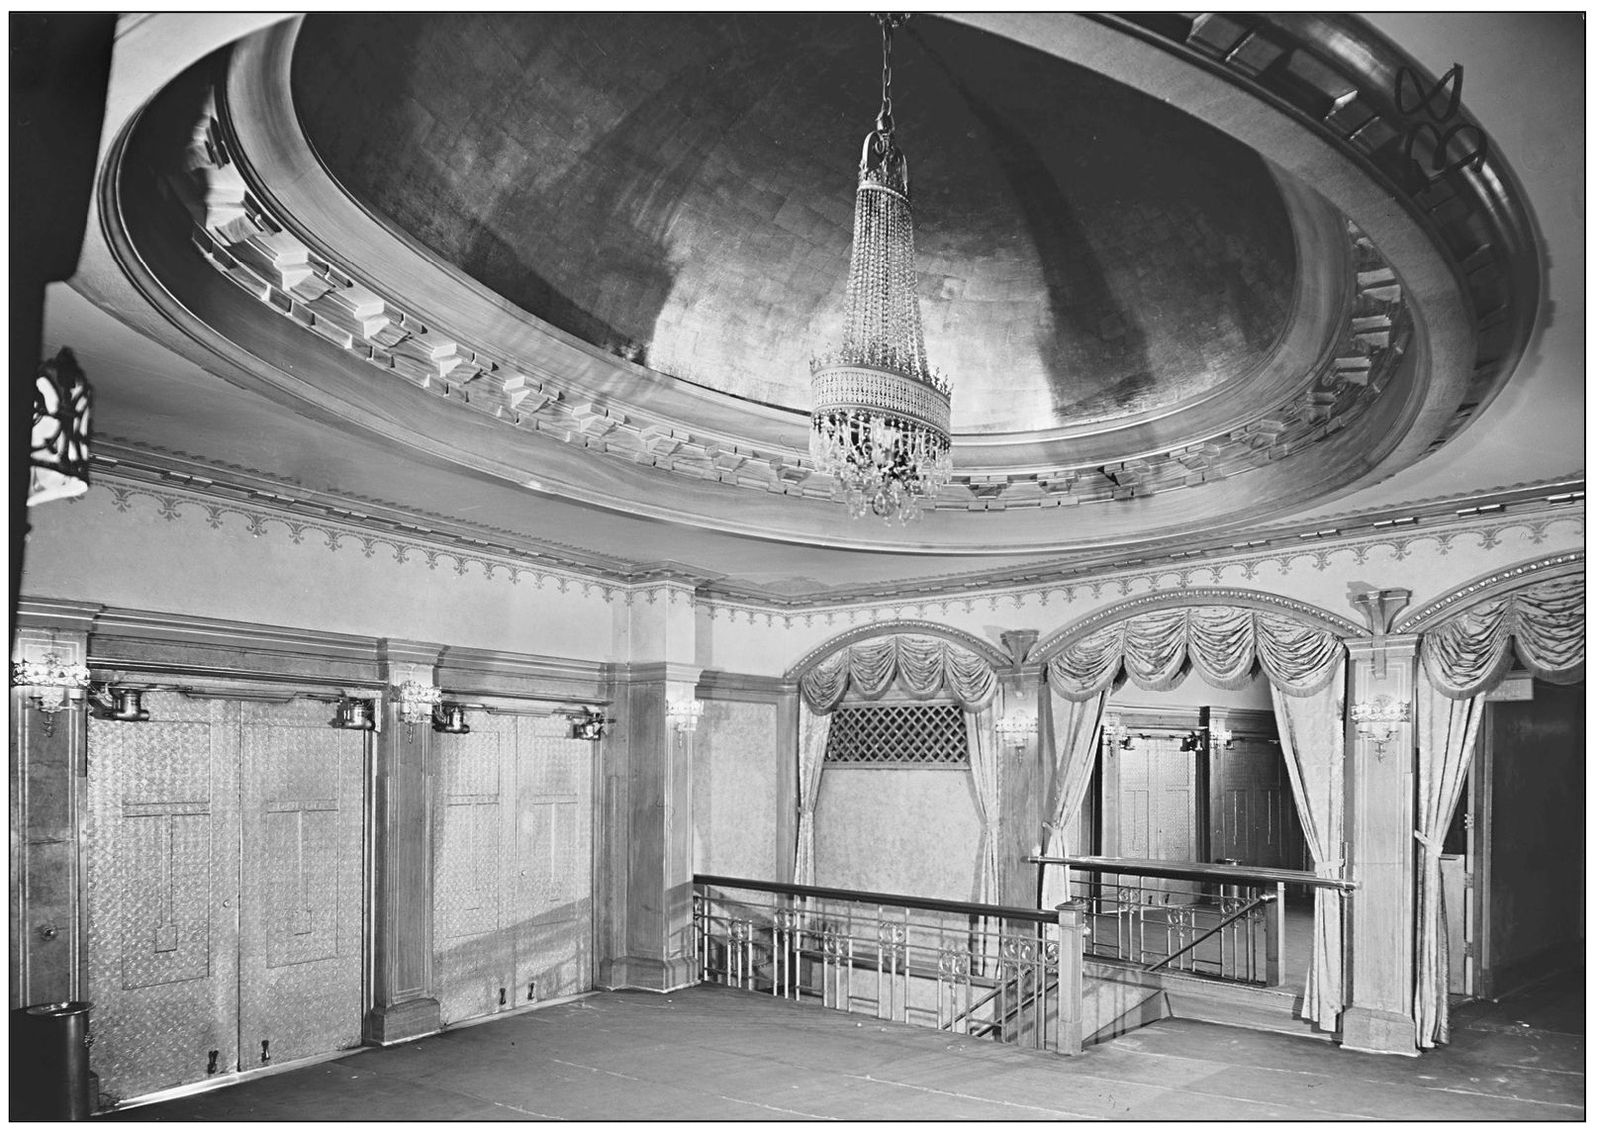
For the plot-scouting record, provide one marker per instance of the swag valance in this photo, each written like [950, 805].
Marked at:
[1223, 643]
[924, 667]
[1547, 622]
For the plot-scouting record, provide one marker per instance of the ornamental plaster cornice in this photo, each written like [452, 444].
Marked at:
[1490, 586]
[1074, 586]
[1395, 525]
[127, 473]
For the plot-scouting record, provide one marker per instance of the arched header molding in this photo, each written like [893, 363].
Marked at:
[1303, 612]
[1490, 586]
[996, 659]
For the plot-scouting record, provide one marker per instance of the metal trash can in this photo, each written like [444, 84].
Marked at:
[54, 1056]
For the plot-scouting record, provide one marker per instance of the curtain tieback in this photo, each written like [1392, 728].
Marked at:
[1435, 849]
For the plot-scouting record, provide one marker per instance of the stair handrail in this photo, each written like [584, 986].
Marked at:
[1194, 870]
[1263, 898]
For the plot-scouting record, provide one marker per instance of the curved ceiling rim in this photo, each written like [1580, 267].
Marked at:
[1133, 55]
[1091, 528]
[282, 164]
[221, 318]
[1016, 522]
[228, 323]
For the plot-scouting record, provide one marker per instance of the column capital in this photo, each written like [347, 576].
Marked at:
[1379, 607]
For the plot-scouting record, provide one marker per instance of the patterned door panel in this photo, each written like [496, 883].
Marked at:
[161, 880]
[300, 929]
[553, 889]
[472, 864]
[1152, 788]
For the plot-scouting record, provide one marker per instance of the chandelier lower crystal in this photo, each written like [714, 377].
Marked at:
[880, 415]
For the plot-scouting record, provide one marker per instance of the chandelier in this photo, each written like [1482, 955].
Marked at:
[880, 415]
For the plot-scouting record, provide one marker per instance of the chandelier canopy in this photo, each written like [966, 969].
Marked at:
[880, 414]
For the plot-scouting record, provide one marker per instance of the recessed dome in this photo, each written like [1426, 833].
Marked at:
[678, 189]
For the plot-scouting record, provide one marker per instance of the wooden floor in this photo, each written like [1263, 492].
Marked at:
[715, 1054]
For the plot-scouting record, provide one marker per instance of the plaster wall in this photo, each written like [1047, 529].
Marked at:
[910, 830]
[172, 553]
[735, 790]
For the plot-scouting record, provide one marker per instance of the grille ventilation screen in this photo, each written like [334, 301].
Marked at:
[914, 734]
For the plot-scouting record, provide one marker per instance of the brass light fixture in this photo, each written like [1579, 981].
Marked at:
[122, 704]
[450, 719]
[880, 415]
[589, 724]
[684, 715]
[356, 714]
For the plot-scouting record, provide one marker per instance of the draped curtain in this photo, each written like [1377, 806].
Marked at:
[1544, 624]
[1311, 731]
[923, 666]
[1222, 642]
[1446, 735]
[1071, 730]
[983, 753]
[812, 745]
[1305, 666]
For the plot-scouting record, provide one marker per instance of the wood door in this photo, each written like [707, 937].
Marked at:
[553, 951]
[472, 868]
[513, 915]
[302, 904]
[1253, 819]
[161, 858]
[1150, 805]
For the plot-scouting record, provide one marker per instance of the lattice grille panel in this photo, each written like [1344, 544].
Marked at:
[918, 734]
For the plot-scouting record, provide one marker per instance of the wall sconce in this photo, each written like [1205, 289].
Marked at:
[124, 705]
[684, 715]
[1116, 734]
[450, 719]
[49, 684]
[415, 702]
[1016, 728]
[1226, 739]
[1378, 720]
[589, 724]
[356, 714]
[1194, 741]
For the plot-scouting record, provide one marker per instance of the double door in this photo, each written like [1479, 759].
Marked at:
[1150, 793]
[512, 896]
[1253, 820]
[223, 889]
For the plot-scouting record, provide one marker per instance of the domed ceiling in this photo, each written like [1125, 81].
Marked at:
[586, 258]
[678, 189]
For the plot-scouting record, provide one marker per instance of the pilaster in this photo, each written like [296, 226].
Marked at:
[649, 860]
[404, 1000]
[49, 758]
[1380, 819]
[1025, 772]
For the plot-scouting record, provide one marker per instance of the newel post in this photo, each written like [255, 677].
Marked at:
[1069, 984]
